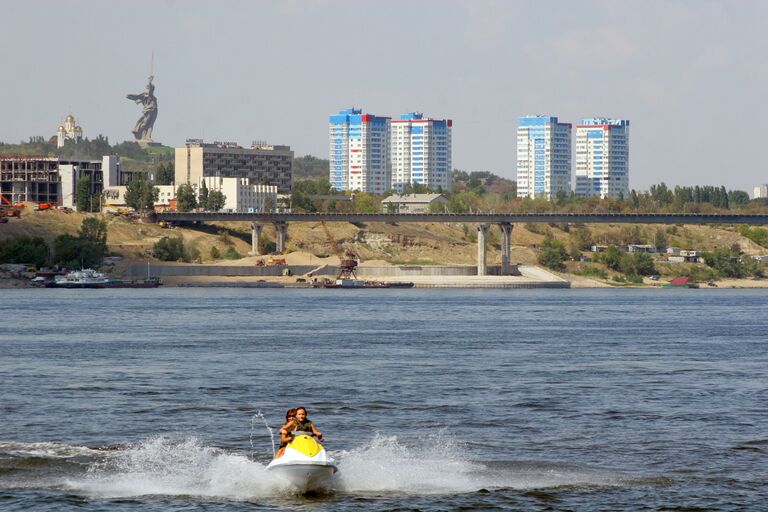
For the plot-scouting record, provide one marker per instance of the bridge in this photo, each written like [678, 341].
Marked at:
[505, 221]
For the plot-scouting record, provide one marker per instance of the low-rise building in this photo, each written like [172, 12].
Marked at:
[114, 197]
[242, 196]
[413, 203]
[634, 248]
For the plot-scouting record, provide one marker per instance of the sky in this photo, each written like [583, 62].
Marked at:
[689, 75]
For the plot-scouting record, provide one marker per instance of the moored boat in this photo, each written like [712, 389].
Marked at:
[89, 278]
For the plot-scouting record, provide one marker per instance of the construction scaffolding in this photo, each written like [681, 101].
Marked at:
[39, 178]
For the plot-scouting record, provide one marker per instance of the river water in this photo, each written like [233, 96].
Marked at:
[429, 399]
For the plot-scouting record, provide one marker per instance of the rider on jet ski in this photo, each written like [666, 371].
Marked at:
[300, 423]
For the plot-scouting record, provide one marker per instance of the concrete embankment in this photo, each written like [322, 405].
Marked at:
[422, 276]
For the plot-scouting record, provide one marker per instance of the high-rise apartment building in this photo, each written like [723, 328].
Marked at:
[421, 152]
[760, 192]
[359, 151]
[543, 157]
[602, 157]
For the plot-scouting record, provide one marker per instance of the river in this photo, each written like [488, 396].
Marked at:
[429, 399]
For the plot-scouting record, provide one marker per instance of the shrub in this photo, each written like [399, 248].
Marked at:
[553, 253]
[215, 253]
[169, 249]
[231, 254]
[725, 262]
[591, 272]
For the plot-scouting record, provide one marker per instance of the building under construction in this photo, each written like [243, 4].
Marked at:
[44, 179]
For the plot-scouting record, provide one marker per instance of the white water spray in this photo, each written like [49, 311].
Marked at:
[259, 414]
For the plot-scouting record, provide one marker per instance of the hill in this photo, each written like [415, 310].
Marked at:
[396, 244]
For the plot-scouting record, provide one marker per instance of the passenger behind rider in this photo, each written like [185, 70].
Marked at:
[301, 424]
[285, 437]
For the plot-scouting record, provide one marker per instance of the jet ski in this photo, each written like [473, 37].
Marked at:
[305, 464]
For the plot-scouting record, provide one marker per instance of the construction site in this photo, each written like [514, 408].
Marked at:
[51, 180]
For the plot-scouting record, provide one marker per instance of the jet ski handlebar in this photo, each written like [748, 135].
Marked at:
[301, 433]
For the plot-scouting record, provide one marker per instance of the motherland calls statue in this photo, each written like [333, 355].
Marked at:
[143, 129]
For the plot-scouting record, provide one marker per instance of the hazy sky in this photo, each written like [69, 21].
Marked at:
[690, 75]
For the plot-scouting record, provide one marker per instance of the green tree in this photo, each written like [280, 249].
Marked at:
[24, 249]
[738, 198]
[216, 200]
[725, 262]
[83, 197]
[366, 203]
[203, 196]
[141, 194]
[582, 238]
[553, 253]
[660, 240]
[612, 258]
[643, 264]
[169, 249]
[165, 174]
[94, 230]
[186, 198]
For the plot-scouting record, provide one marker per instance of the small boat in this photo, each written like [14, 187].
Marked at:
[85, 278]
[89, 278]
[305, 465]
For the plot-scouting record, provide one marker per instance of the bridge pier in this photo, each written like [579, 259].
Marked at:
[256, 228]
[482, 233]
[281, 230]
[506, 246]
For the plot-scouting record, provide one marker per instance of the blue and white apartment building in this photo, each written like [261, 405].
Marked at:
[602, 157]
[421, 152]
[543, 157]
[359, 152]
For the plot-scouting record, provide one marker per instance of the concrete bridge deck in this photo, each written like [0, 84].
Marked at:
[487, 218]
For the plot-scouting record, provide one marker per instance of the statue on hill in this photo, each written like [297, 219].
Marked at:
[143, 129]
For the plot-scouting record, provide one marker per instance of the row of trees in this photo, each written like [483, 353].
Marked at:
[87, 149]
[86, 249]
[141, 195]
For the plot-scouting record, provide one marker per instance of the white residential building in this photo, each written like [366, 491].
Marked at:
[543, 157]
[421, 152]
[602, 157]
[359, 152]
[241, 195]
[760, 192]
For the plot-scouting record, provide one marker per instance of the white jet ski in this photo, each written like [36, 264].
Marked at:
[305, 464]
